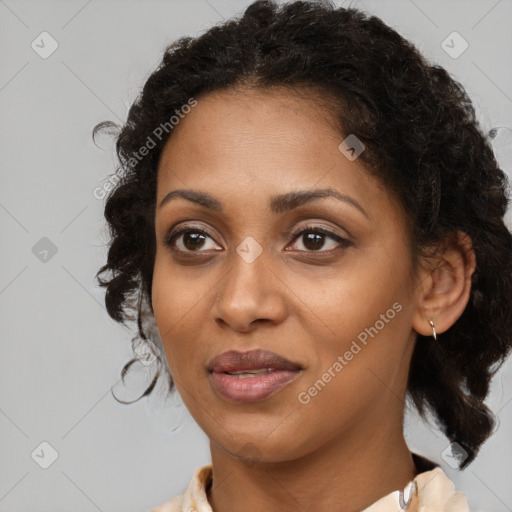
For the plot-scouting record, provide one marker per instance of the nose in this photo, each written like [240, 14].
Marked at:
[249, 293]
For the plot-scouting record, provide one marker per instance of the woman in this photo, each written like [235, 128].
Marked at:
[314, 220]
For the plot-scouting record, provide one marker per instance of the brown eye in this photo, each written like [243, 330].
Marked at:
[313, 241]
[193, 241]
[189, 240]
[314, 238]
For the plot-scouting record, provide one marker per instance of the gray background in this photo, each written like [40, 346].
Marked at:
[61, 354]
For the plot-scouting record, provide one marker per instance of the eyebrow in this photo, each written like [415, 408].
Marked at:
[278, 204]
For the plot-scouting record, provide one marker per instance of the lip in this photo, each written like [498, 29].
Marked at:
[233, 361]
[246, 388]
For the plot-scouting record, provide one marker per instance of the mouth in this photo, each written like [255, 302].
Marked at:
[244, 374]
[243, 377]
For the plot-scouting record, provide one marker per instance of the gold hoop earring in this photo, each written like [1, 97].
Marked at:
[434, 334]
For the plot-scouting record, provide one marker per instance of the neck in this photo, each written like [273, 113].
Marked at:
[344, 475]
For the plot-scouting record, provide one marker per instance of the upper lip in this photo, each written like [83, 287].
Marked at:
[233, 361]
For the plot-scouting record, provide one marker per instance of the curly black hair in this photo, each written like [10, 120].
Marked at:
[422, 140]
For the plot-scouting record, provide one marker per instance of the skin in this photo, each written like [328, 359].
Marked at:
[344, 449]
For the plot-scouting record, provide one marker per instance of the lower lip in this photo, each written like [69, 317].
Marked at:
[251, 389]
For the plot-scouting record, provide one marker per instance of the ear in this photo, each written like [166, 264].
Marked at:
[444, 284]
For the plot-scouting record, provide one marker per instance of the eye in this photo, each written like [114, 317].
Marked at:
[188, 240]
[316, 237]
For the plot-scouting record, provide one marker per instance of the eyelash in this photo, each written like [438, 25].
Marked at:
[169, 241]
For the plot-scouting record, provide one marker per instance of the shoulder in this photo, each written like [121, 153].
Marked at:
[430, 491]
[194, 497]
[436, 492]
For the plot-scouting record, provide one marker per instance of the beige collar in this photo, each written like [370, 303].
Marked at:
[430, 491]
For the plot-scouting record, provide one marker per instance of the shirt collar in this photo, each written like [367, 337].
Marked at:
[430, 491]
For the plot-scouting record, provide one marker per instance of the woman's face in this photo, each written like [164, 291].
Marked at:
[338, 307]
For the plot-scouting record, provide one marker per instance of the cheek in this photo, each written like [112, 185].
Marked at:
[175, 294]
[355, 299]
[365, 321]
[356, 377]
[177, 306]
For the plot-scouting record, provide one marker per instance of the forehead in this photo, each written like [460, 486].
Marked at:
[265, 135]
[244, 119]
